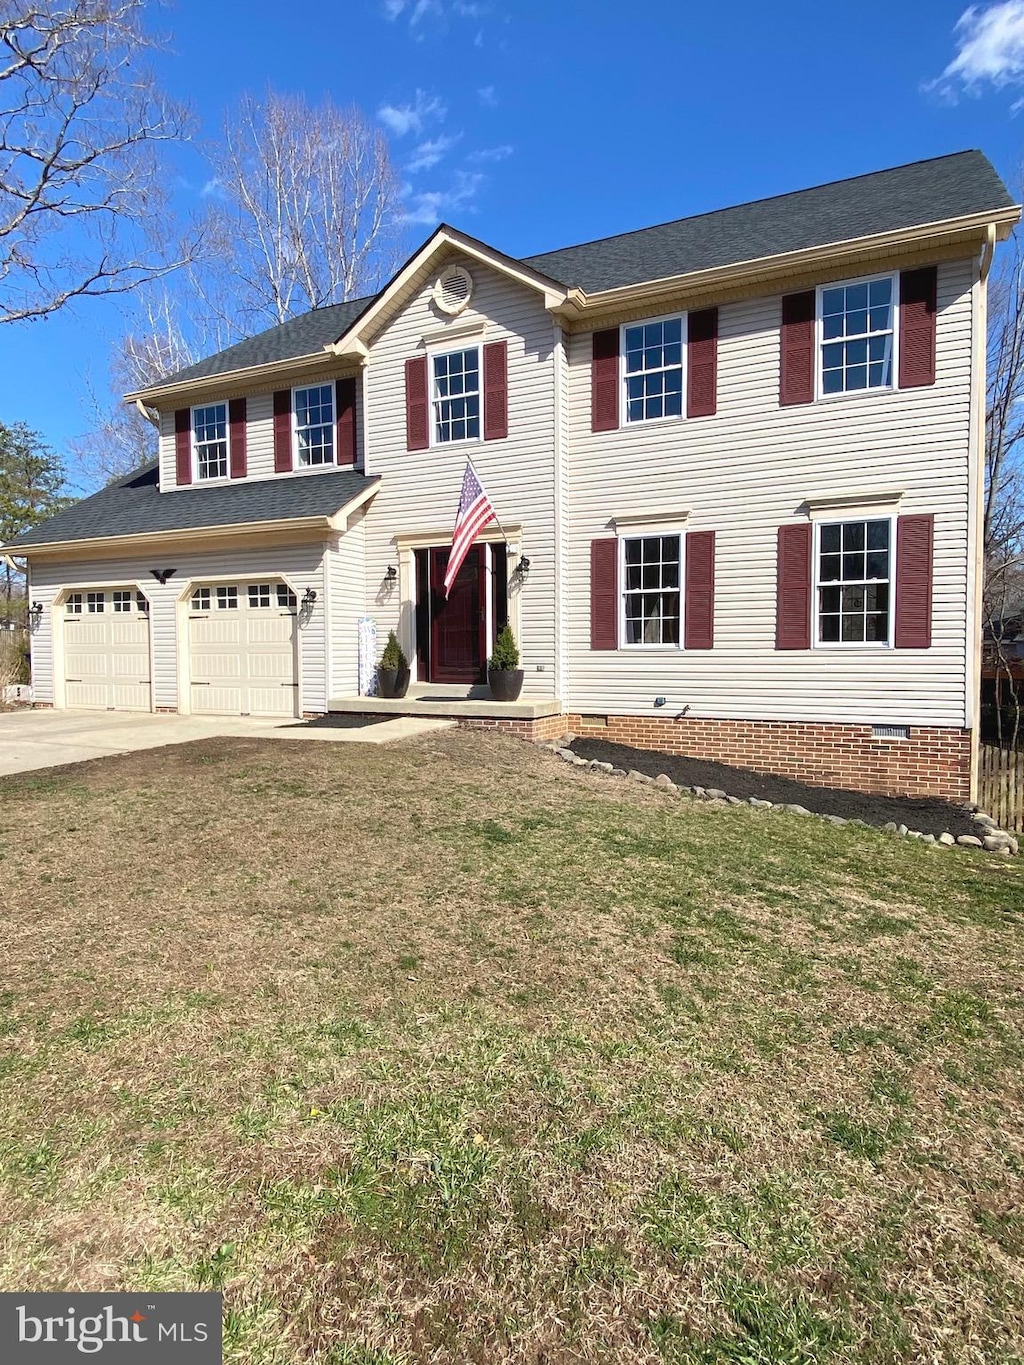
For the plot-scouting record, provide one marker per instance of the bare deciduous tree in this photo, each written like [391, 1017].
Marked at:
[1004, 494]
[81, 125]
[304, 211]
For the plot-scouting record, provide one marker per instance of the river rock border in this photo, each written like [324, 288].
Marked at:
[989, 838]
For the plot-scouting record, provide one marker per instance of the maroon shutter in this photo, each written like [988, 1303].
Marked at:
[702, 363]
[345, 421]
[604, 382]
[793, 593]
[604, 594]
[417, 404]
[237, 438]
[699, 617]
[183, 445]
[796, 372]
[282, 431]
[914, 537]
[496, 391]
[918, 290]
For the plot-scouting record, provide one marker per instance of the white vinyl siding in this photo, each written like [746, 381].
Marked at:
[746, 477]
[420, 492]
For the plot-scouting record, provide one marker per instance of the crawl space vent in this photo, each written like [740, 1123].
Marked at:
[453, 289]
[890, 732]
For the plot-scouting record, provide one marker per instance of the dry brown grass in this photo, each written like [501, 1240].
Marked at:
[441, 1052]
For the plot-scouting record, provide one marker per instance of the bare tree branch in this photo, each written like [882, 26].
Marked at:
[81, 125]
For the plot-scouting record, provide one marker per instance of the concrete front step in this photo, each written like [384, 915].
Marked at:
[455, 702]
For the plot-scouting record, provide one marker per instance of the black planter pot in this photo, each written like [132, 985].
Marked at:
[505, 683]
[392, 682]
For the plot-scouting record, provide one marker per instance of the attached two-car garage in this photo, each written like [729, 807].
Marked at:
[240, 652]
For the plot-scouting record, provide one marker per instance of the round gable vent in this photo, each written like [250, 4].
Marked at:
[453, 289]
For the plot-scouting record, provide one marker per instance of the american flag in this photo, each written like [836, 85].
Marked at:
[475, 511]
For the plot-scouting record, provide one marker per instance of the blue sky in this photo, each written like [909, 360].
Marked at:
[537, 123]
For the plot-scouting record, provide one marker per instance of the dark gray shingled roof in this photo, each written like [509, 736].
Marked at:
[884, 201]
[135, 506]
[304, 335]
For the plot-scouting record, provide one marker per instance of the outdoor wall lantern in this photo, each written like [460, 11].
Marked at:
[35, 611]
[391, 575]
[522, 569]
[308, 598]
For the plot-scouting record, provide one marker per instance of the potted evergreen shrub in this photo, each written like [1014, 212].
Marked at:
[504, 676]
[393, 669]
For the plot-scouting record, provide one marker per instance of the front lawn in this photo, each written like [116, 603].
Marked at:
[445, 1052]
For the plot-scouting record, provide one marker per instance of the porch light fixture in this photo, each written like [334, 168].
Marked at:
[35, 611]
[308, 598]
[391, 574]
[522, 570]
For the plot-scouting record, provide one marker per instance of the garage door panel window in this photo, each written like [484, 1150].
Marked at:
[201, 599]
[95, 602]
[73, 606]
[286, 599]
[227, 599]
[210, 439]
[259, 595]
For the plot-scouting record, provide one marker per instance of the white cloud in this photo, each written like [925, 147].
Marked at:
[990, 50]
[492, 153]
[429, 207]
[212, 189]
[400, 119]
[429, 153]
[486, 96]
[416, 11]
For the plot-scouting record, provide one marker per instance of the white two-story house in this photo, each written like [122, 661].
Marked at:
[735, 459]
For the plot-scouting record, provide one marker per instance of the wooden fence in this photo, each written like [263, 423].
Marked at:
[1001, 785]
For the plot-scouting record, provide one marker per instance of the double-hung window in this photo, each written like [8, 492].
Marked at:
[456, 396]
[210, 440]
[854, 563]
[857, 335]
[650, 578]
[314, 424]
[654, 369]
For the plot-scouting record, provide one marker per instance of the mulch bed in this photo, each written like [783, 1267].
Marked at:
[929, 815]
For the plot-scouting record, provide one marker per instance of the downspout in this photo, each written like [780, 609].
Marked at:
[977, 492]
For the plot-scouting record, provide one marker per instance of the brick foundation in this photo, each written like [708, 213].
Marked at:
[539, 730]
[931, 762]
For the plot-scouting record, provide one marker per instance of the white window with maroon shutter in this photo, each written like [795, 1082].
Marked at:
[651, 576]
[853, 583]
[857, 336]
[314, 425]
[653, 369]
[455, 396]
[210, 441]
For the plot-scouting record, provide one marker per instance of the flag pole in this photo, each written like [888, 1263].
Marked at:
[480, 481]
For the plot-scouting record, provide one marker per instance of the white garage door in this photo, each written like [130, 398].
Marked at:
[106, 650]
[242, 650]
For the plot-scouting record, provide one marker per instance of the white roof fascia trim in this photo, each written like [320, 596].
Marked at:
[823, 504]
[146, 538]
[786, 262]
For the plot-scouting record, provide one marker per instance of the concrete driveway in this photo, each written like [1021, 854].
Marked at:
[45, 739]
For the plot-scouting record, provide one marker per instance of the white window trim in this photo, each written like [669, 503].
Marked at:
[433, 353]
[220, 478]
[872, 646]
[819, 340]
[684, 319]
[647, 532]
[332, 463]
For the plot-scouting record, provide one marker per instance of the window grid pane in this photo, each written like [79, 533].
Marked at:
[95, 602]
[259, 595]
[227, 599]
[201, 599]
[73, 606]
[123, 601]
[652, 599]
[856, 336]
[457, 396]
[654, 370]
[854, 582]
[210, 428]
[314, 424]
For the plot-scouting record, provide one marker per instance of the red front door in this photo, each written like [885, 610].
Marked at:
[458, 622]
